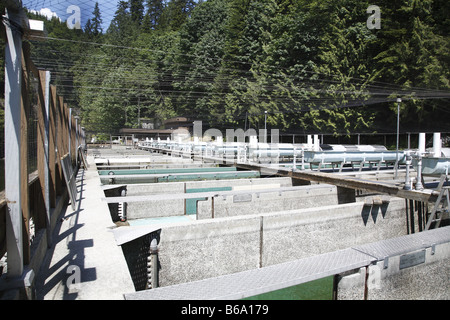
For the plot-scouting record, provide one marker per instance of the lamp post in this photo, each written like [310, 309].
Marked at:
[399, 100]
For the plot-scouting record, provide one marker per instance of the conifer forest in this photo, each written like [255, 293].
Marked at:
[315, 66]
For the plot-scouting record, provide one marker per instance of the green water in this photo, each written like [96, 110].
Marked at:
[191, 204]
[320, 289]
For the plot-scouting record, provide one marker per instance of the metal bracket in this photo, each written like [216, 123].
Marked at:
[386, 262]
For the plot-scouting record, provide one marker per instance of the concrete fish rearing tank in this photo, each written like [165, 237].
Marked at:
[213, 228]
[435, 166]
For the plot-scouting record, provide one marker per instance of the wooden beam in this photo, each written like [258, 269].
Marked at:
[13, 157]
[330, 178]
[43, 145]
[56, 126]
[25, 115]
[52, 149]
[347, 182]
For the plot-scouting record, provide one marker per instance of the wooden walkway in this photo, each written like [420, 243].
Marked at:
[348, 182]
[390, 188]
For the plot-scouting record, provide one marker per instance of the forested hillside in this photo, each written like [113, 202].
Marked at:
[313, 65]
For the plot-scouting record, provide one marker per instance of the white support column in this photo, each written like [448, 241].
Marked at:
[437, 144]
[13, 85]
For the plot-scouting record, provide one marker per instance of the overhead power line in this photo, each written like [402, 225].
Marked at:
[193, 81]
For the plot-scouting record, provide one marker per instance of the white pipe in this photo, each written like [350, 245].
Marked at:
[154, 265]
[408, 184]
[437, 143]
[316, 142]
[422, 140]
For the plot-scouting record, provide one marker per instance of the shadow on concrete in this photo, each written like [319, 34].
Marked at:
[373, 211]
[69, 270]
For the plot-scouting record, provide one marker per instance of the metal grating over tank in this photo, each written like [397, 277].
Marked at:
[257, 281]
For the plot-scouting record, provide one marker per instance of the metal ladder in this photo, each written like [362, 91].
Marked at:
[122, 207]
[122, 211]
[438, 210]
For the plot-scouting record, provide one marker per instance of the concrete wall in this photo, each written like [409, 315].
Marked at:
[425, 281]
[214, 247]
[253, 203]
[208, 248]
[164, 208]
[305, 233]
[178, 187]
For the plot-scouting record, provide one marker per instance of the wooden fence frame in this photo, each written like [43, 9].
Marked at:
[59, 135]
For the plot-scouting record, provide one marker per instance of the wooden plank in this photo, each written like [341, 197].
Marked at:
[62, 148]
[83, 158]
[70, 179]
[348, 182]
[60, 130]
[73, 136]
[330, 178]
[59, 179]
[43, 145]
[52, 152]
[69, 134]
[25, 114]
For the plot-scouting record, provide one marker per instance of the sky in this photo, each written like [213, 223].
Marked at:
[64, 9]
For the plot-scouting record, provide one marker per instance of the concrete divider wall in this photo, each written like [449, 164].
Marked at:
[164, 208]
[214, 247]
[309, 232]
[254, 203]
[208, 248]
[178, 187]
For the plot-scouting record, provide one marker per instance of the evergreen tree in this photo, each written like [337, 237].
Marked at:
[155, 10]
[176, 13]
[312, 64]
[93, 28]
[137, 11]
[120, 31]
[345, 67]
[96, 24]
[201, 48]
[234, 29]
[413, 54]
